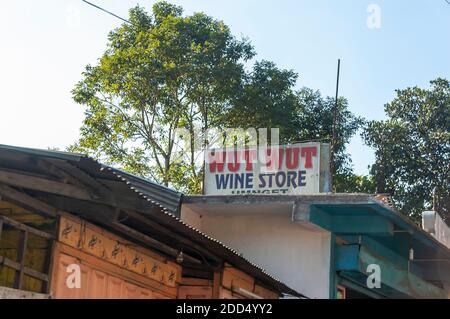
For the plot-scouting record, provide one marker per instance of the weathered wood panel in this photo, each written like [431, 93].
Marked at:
[265, 293]
[109, 247]
[61, 289]
[9, 293]
[226, 294]
[233, 277]
[100, 284]
[194, 292]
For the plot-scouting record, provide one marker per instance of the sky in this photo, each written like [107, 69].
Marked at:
[383, 46]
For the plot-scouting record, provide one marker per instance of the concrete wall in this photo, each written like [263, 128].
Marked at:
[9, 293]
[297, 256]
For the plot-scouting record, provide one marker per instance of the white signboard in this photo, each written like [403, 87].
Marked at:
[289, 170]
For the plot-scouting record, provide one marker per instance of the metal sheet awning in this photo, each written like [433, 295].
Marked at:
[368, 229]
[352, 262]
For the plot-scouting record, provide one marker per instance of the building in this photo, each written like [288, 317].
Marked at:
[274, 206]
[71, 227]
[328, 245]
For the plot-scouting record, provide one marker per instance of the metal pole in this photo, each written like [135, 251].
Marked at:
[333, 139]
[205, 145]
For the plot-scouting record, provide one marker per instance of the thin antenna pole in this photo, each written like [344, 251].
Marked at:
[333, 139]
[434, 199]
[205, 146]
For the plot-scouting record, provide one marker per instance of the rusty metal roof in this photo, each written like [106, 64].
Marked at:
[168, 198]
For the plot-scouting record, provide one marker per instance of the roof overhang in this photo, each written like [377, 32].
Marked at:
[360, 220]
[342, 214]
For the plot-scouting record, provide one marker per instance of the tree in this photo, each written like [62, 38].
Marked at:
[315, 122]
[160, 73]
[165, 72]
[412, 149]
[349, 182]
[268, 100]
[265, 100]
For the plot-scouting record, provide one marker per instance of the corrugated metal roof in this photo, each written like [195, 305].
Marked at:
[47, 153]
[166, 197]
[332, 200]
[169, 201]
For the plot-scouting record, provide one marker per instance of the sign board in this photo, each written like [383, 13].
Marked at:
[286, 170]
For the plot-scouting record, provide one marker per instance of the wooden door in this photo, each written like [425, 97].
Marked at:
[95, 284]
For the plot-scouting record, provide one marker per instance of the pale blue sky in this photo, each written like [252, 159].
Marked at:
[45, 45]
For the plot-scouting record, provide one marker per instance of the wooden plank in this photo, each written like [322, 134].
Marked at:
[233, 277]
[58, 172]
[67, 172]
[105, 245]
[216, 284]
[23, 199]
[45, 185]
[154, 243]
[226, 294]
[26, 228]
[143, 238]
[108, 213]
[21, 258]
[197, 273]
[9, 263]
[81, 175]
[70, 232]
[112, 269]
[36, 274]
[10, 293]
[97, 284]
[59, 287]
[114, 288]
[266, 293]
[26, 270]
[185, 281]
[49, 267]
[182, 239]
[146, 294]
[194, 292]
[82, 225]
[93, 242]
[245, 293]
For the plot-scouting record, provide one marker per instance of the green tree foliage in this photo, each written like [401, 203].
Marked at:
[412, 149]
[315, 121]
[348, 182]
[165, 71]
[266, 100]
[160, 72]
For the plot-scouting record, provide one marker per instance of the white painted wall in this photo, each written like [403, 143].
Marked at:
[297, 256]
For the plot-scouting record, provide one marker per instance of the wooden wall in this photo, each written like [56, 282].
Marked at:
[228, 283]
[110, 266]
[115, 268]
[99, 282]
